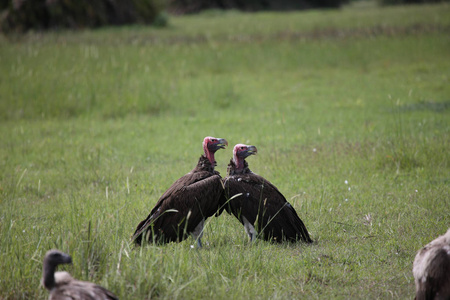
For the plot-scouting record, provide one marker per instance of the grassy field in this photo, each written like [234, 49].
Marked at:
[349, 110]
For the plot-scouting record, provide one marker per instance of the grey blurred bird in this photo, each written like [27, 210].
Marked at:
[62, 286]
[431, 269]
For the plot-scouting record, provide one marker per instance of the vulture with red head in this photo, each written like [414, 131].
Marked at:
[62, 286]
[431, 269]
[258, 204]
[183, 208]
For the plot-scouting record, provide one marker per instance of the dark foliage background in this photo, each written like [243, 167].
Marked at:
[22, 15]
[390, 2]
[194, 6]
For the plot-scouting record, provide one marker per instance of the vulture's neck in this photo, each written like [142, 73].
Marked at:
[210, 156]
[235, 168]
[205, 164]
[48, 275]
[239, 164]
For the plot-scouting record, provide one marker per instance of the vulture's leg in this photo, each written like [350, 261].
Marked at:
[198, 233]
[249, 229]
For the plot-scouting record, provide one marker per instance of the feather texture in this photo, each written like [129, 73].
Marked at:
[431, 269]
[62, 286]
[189, 201]
[263, 205]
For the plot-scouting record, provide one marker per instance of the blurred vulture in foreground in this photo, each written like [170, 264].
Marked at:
[184, 207]
[258, 204]
[63, 287]
[431, 269]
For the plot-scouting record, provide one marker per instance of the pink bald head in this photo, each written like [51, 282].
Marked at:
[242, 151]
[211, 145]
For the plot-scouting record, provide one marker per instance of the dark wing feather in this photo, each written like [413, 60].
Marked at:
[194, 197]
[265, 207]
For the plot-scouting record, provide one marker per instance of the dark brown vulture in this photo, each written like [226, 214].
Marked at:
[260, 207]
[184, 207]
[62, 286]
[431, 269]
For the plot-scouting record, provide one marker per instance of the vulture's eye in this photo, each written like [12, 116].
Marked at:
[242, 148]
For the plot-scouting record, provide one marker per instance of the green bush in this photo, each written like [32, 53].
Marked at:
[20, 15]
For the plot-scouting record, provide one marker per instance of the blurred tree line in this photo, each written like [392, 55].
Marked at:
[22, 15]
[194, 6]
[391, 2]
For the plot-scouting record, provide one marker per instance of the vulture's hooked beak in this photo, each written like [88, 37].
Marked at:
[251, 150]
[66, 259]
[222, 143]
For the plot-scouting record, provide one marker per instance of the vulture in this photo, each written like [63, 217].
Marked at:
[62, 286]
[258, 204]
[431, 269]
[183, 208]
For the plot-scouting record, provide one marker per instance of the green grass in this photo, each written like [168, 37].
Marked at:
[96, 125]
